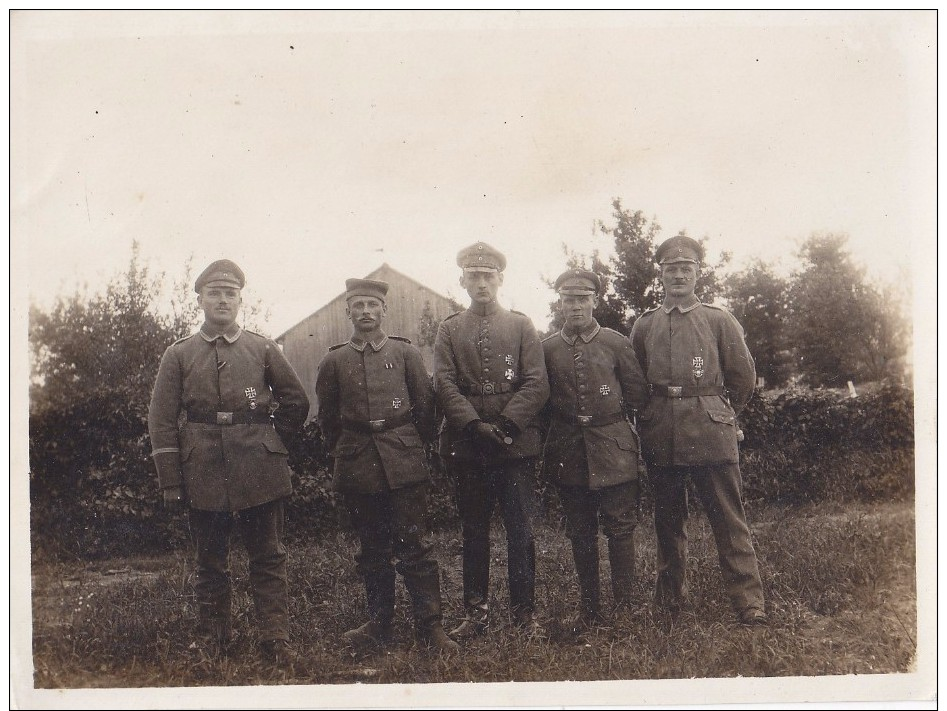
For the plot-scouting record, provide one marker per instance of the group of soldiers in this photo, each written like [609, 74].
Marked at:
[226, 405]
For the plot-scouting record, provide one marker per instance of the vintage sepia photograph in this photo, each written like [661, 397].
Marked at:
[389, 358]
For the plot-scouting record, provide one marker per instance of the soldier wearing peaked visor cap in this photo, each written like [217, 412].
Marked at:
[243, 406]
[700, 374]
[591, 449]
[490, 381]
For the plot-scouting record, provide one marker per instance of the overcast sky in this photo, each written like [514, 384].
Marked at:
[311, 147]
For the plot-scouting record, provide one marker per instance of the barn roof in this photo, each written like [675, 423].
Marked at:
[384, 273]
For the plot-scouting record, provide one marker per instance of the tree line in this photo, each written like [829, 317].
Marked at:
[822, 326]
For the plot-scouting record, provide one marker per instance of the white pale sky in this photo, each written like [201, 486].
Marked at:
[311, 147]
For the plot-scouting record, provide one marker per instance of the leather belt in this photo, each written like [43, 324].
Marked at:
[247, 417]
[685, 390]
[487, 388]
[377, 425]
[592, 420]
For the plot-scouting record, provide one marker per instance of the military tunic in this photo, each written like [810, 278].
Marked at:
[226, 467]
[592, 376]
[488, 362]
[701, 374]
[362, 382]
[699, 346]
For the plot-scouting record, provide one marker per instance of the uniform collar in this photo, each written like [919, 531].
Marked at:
[683, 309]
[484, 309]
[586, 335]
[376, 345]
[231, 335]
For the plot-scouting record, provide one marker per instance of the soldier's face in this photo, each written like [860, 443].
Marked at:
[365, 313]
[679, 278]
[220, 304]
[577, 310]
[482, 287]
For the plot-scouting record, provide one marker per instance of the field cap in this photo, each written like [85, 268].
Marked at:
[366, 287]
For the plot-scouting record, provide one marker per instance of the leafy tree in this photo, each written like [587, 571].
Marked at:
[632, 280]
[94, 359]
[760, 301]
[842, 327]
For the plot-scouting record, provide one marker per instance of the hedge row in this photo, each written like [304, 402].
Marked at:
[94, 492]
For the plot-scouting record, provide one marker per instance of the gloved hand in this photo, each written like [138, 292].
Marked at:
[491, 433]
[173, 498]
[508, 426]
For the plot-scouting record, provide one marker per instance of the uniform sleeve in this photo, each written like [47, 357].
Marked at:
[163, 411]
[736, 362]
[637, 339]
[421, 391]
[327, 395]
[288, 392]
[534, 384]
[634, 386]
[456, 408]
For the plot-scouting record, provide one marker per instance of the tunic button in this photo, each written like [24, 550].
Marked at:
[582, 387]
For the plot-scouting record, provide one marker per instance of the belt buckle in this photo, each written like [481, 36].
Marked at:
[376, 425]
[584, 420]
[488, 388]
[224, 418]
[675, 391]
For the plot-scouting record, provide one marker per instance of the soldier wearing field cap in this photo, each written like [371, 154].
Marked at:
[490, 380]
[700, 375]
[376, 412]
[243, 405]
[591, 450]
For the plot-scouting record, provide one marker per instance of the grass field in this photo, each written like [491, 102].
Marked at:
[840, 586]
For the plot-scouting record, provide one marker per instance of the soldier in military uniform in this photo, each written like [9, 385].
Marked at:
[591, 450]
[243, 404]
[490, 380]
[376, 411]
[700, 375]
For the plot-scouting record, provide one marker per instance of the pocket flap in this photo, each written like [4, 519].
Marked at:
[347, 449]
[276, 447]
[724, 417]
[410, 440]
[627, 445]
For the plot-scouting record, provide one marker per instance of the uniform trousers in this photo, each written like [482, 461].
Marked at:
[481, 486]
[261, 528]
[719, 489]
[393, 523]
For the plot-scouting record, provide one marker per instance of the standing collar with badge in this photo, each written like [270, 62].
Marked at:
[689, 305]
[230, 335]
[484, 309]
[587, 335]
[360, 345]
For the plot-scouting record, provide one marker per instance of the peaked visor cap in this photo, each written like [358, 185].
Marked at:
[223, 272]
[577, 282]
[481, 257]
[679, 249]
